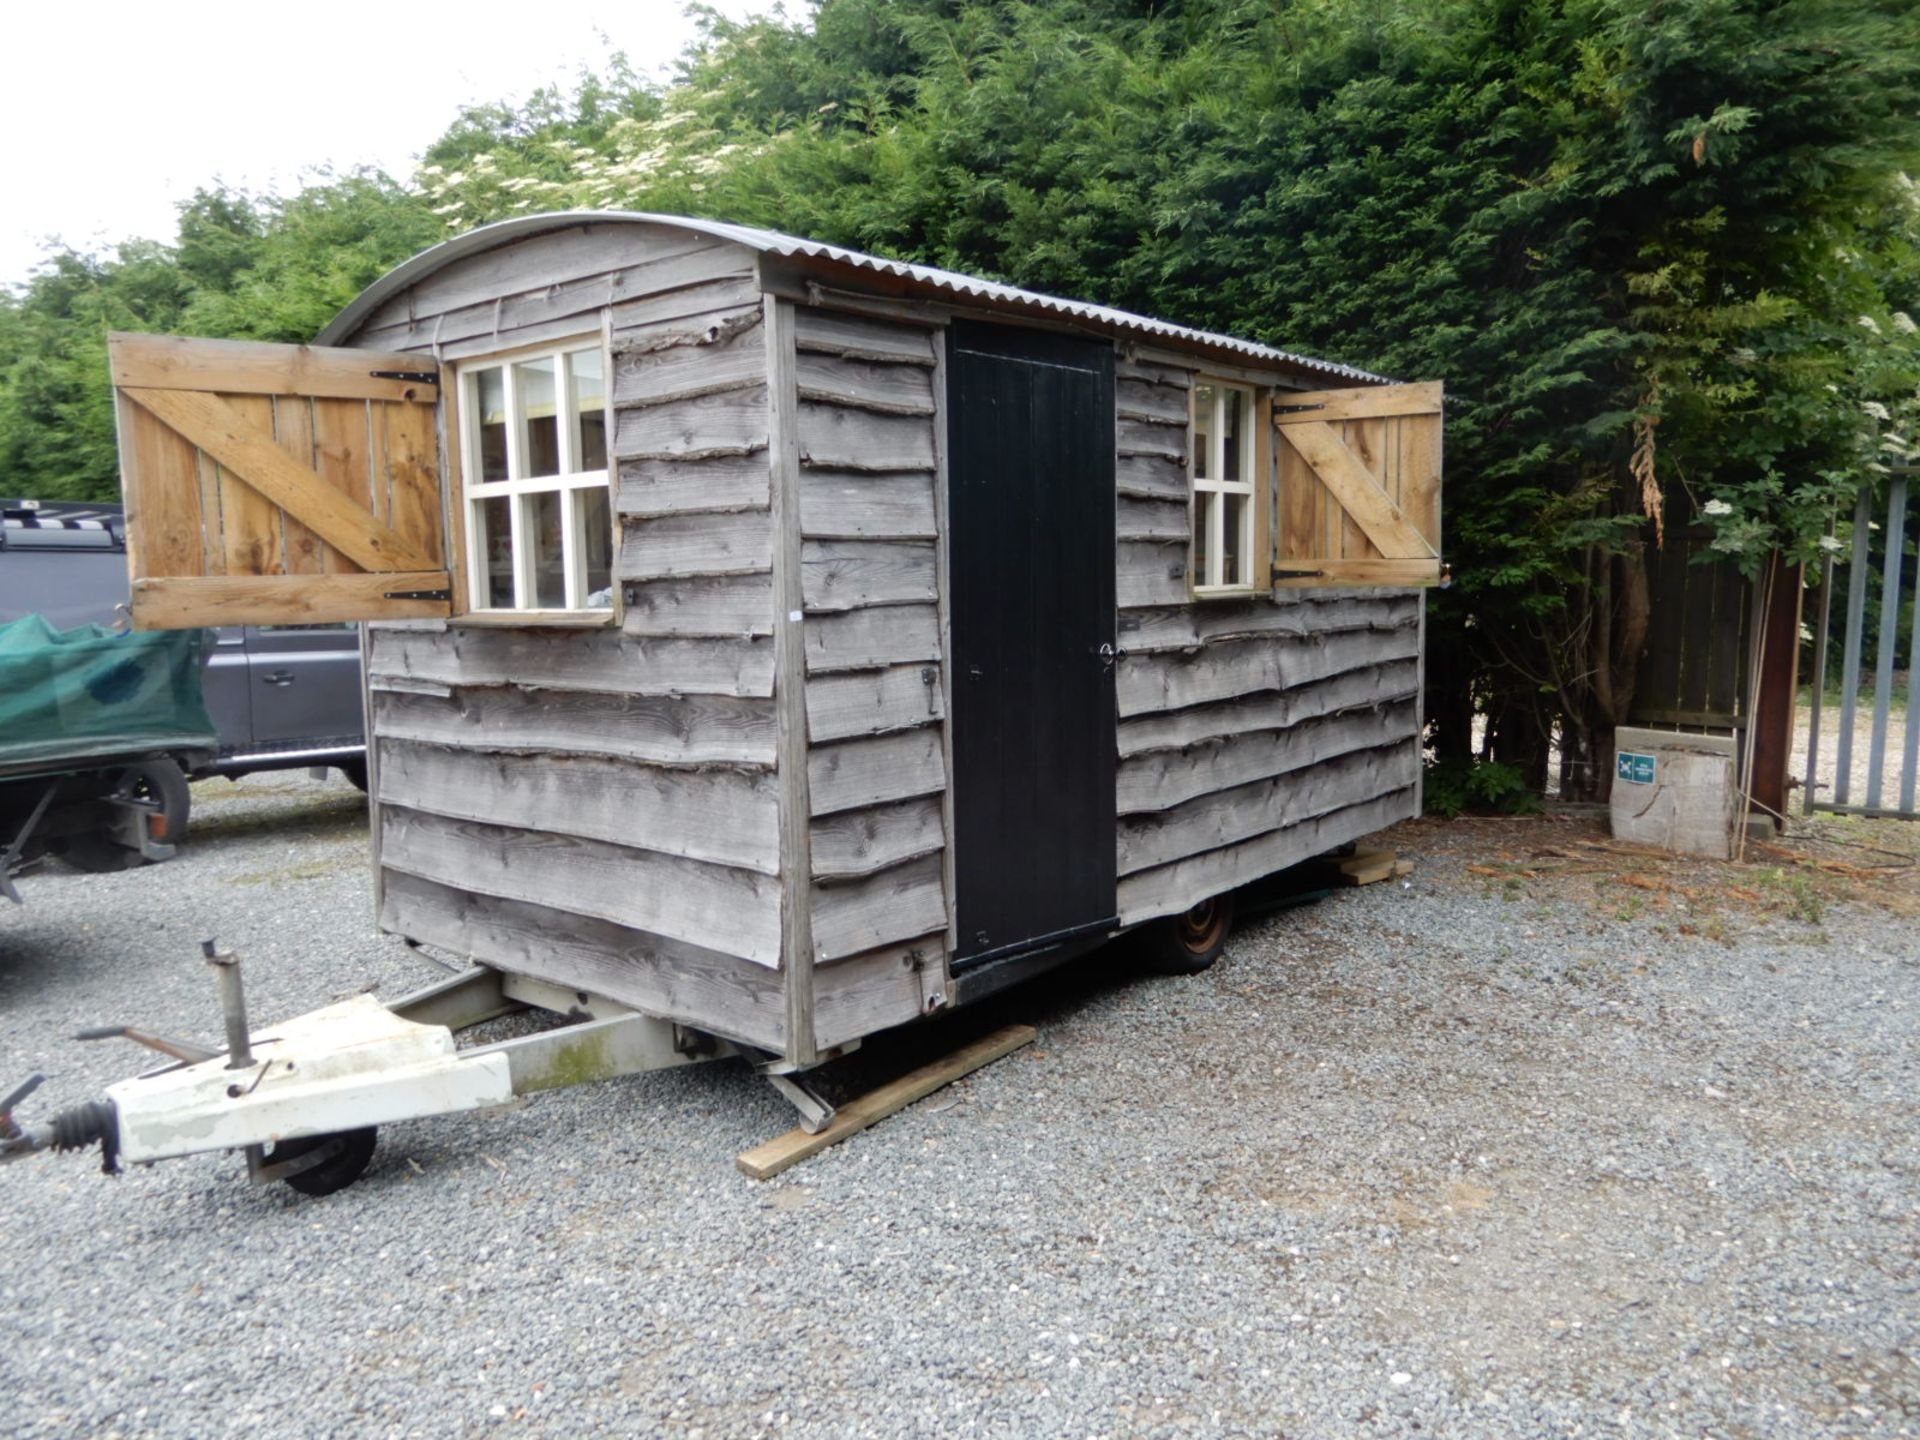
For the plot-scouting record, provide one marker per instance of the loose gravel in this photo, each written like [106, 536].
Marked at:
[1517, 1147]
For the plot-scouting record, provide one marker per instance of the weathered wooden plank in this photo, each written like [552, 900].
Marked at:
[865, 385]
[862, 842]
[1231, 668]
[720, 814]
[695, 986]
[1172, 376]
[1170, 889]
[734, 358]
[833, 437]
[1150, 400]
[655, 729]
[763, 1162]
[1230, 816]
[251, 367]
[718, 297]
[851, 574]
[866, 639]
[1146, 437]
[180, 601]
[565, 658]
[654, 486]
[700, 605]
[1182, 627]
[715, 906]
[853, 773]
[733, 422]
[872, 702]
[558, 257]
[1269, 710]
[862, 995]
[831, 332]
[900, 903]
[836, 505]
[1150, 573]
[1362, 403]
[1153, 477]
[657, 548]
[796, 838]
[1137, 519]
[1161, 779]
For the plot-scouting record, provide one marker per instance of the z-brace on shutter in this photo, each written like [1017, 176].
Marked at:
[278, 484]
[1359, 478]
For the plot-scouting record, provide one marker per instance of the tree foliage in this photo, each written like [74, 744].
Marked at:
[1662, 251]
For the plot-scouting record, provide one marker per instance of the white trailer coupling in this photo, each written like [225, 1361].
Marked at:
[303, 1099]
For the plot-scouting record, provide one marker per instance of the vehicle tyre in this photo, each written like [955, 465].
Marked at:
[1187, 944]
[159, 782]
[356, 773]
[332, 1174]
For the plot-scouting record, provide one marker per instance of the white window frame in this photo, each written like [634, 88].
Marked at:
[568, 483]
[1216, 582]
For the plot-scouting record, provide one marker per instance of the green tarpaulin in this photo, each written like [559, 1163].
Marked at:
[89, 692]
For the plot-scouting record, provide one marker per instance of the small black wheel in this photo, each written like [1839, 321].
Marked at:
[337, 1171]
[159, 783]
[1187, 944]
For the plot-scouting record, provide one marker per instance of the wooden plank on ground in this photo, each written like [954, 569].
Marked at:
[763, 1162]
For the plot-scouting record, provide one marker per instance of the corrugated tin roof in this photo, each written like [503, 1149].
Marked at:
[987, 293]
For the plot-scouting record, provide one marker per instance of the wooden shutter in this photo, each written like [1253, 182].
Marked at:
[278, 484]
[1359, 478]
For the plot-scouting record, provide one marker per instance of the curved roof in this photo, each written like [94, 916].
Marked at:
[922, 278]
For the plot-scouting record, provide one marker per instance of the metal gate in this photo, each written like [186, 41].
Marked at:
[1862, 745]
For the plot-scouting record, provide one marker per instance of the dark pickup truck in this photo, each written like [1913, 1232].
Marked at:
[279, 697]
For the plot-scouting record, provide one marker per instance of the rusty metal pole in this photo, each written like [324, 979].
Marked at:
[233, 1003]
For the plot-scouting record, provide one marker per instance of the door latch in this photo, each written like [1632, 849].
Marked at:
[1108, 654]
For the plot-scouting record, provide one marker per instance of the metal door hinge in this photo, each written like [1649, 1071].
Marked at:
[416, 377]
[1279, 574]
[1279, 409]
[419, 595]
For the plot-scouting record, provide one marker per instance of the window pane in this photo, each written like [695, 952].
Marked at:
[496, 549]
[1202, 430]
[1232, 428]
[542, 519]
[1203, 501]
[540, 435]
[596, 544]
[490, 423]
[1233, 540]
[590, 411]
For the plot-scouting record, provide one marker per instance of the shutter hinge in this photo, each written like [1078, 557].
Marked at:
[1280, 409]
[417, 377]
[419, 595]
[1279, 574]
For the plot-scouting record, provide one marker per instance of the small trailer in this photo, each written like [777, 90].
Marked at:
[769, 644]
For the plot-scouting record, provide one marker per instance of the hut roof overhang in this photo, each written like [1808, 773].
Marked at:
[824, 263]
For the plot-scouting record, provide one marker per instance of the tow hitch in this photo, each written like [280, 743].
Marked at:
[303, 1100]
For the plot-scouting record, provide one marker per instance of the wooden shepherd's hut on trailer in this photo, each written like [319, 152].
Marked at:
[787, 642]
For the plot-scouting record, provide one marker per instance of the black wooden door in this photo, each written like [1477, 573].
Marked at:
[1031, 570]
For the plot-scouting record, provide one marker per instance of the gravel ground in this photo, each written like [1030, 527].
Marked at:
[1551, 1139]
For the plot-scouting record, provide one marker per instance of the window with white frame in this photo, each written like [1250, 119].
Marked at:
[1223, 488]
[533, 437]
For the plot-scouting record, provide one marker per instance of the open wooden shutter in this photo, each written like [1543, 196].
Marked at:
[1359, 477]
[278, 484]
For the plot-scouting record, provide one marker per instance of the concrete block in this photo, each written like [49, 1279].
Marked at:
[1675, 792]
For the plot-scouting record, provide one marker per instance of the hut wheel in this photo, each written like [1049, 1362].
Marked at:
[1187, 944]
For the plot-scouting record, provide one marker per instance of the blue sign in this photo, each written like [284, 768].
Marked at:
[1634, 769]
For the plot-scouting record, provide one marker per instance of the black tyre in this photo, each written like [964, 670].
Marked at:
[159, 783]
[1187, 944]
[337, 1171]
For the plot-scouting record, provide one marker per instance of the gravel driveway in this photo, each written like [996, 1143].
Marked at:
[1549, 1140]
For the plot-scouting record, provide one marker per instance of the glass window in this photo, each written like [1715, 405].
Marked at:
[1224, 495]
[539, 519]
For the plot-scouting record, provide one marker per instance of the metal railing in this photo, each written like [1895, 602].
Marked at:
[1854, 791]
